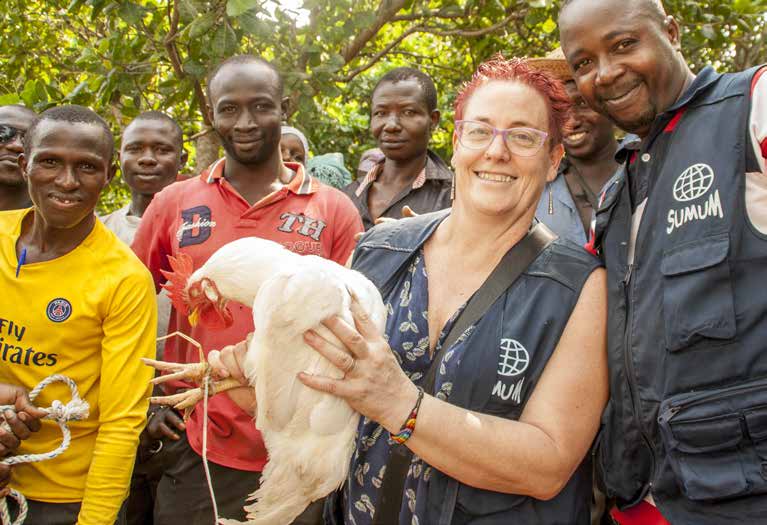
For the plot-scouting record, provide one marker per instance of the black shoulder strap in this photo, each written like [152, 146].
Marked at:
[513, 264]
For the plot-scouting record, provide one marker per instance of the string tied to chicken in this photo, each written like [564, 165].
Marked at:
[75, 410]
[199, 373]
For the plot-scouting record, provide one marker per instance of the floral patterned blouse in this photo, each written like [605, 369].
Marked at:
[407, 328]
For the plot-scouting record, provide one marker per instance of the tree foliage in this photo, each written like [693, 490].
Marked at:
[123, 57]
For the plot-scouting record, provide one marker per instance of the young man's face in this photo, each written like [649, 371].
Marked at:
[66, 167]
[590, 132]
[626, 65]
[247, 111]
[151, 155]
[20, 120]
[400, 120]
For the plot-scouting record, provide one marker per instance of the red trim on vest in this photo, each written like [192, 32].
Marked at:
[633, 157]
[590, 246]
[671, 126]
[641, 514]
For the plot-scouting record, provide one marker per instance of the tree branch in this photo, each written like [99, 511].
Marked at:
[386, 10]
[431, 30]
[426, 15]
[378, 56]
[474, 32]
[175, 59]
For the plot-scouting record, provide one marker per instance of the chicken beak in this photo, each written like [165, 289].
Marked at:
[194, 317]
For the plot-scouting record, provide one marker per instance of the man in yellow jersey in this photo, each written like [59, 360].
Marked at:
[75, 301]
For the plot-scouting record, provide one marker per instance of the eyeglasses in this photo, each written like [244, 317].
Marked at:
[8, 133]
[524, 142]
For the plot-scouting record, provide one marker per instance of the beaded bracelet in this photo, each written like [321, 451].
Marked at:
[409, 426]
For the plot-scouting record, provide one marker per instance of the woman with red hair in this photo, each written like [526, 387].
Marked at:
[495, 386]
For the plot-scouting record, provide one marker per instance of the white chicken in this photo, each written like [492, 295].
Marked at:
[309, 435]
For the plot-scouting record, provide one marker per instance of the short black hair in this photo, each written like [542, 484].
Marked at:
[22, 107]
[159, 115]
[400, 74]
[243, 59]
[72, 114]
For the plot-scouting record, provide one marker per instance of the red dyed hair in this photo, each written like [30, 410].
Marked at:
[518, 70]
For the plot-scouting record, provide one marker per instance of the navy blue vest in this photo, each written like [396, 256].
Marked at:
[531, 315]
[687, 335]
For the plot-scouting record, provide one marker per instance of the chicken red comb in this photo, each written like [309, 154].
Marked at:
[183, 268]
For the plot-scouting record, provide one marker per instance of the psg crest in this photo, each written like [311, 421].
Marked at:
[59, 310]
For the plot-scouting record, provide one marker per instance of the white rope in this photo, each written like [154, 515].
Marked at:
[206, 381]
[76, 410]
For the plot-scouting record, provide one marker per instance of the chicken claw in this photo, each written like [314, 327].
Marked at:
[198, 373]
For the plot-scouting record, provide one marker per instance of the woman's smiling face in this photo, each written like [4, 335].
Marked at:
[494, 181]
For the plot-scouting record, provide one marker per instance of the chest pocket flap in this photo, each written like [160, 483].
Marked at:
[697, 292]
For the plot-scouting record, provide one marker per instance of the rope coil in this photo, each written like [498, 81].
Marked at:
[76, 410]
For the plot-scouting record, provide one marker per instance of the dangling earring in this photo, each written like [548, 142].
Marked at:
[551, 200]
[452, 189]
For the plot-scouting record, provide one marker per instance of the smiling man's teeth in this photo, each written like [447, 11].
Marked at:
[493, 177]
[576, 136]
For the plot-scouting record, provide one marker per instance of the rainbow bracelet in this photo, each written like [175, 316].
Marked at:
[407, 429]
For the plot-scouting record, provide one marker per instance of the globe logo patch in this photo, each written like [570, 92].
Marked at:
[514, 358]
[693, 183]
[59, 310]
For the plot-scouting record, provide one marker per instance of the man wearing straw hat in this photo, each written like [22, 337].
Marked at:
[568, 204]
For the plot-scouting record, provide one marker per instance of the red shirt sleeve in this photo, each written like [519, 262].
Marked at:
[152, 241]
[346, 224]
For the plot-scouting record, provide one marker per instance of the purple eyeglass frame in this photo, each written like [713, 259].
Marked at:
[504, 135]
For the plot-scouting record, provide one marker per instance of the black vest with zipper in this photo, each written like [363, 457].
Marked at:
[687, 335]
[529, 318]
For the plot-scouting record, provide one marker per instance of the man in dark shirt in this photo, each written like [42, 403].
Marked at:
[403, 115]
[15, 120]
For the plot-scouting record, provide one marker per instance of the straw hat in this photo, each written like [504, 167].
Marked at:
[553, 63]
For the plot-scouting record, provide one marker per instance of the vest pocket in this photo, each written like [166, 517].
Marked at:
[716, 441]
[697, 292]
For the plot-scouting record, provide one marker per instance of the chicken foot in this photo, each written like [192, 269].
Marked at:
[198, 373]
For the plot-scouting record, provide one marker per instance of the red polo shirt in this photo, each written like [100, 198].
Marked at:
[197, 217]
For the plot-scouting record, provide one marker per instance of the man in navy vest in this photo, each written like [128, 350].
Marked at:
[683, 231]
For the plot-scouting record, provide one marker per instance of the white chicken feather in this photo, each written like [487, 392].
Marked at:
[309, 435]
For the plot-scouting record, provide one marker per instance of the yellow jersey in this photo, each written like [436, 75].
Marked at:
[89, 315]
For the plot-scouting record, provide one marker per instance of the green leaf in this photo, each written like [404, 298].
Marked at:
[224, 41]
[194, 68]
[80, 87]
[131, 13]
[202, 25]
[10, 98]
[252, 24]
[187, 11]
[235, 8]
[549, 26]
[75, 5]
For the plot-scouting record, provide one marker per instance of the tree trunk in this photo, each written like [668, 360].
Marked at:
[207, 147]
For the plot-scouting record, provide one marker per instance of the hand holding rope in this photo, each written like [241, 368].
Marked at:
[75, 410]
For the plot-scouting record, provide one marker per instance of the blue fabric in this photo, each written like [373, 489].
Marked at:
[407, 327]
[532, 314]
[564, 219]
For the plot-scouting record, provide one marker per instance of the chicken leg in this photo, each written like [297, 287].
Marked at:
[198, 373]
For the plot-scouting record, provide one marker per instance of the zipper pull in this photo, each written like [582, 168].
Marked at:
[627, 277]
[669, 413]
